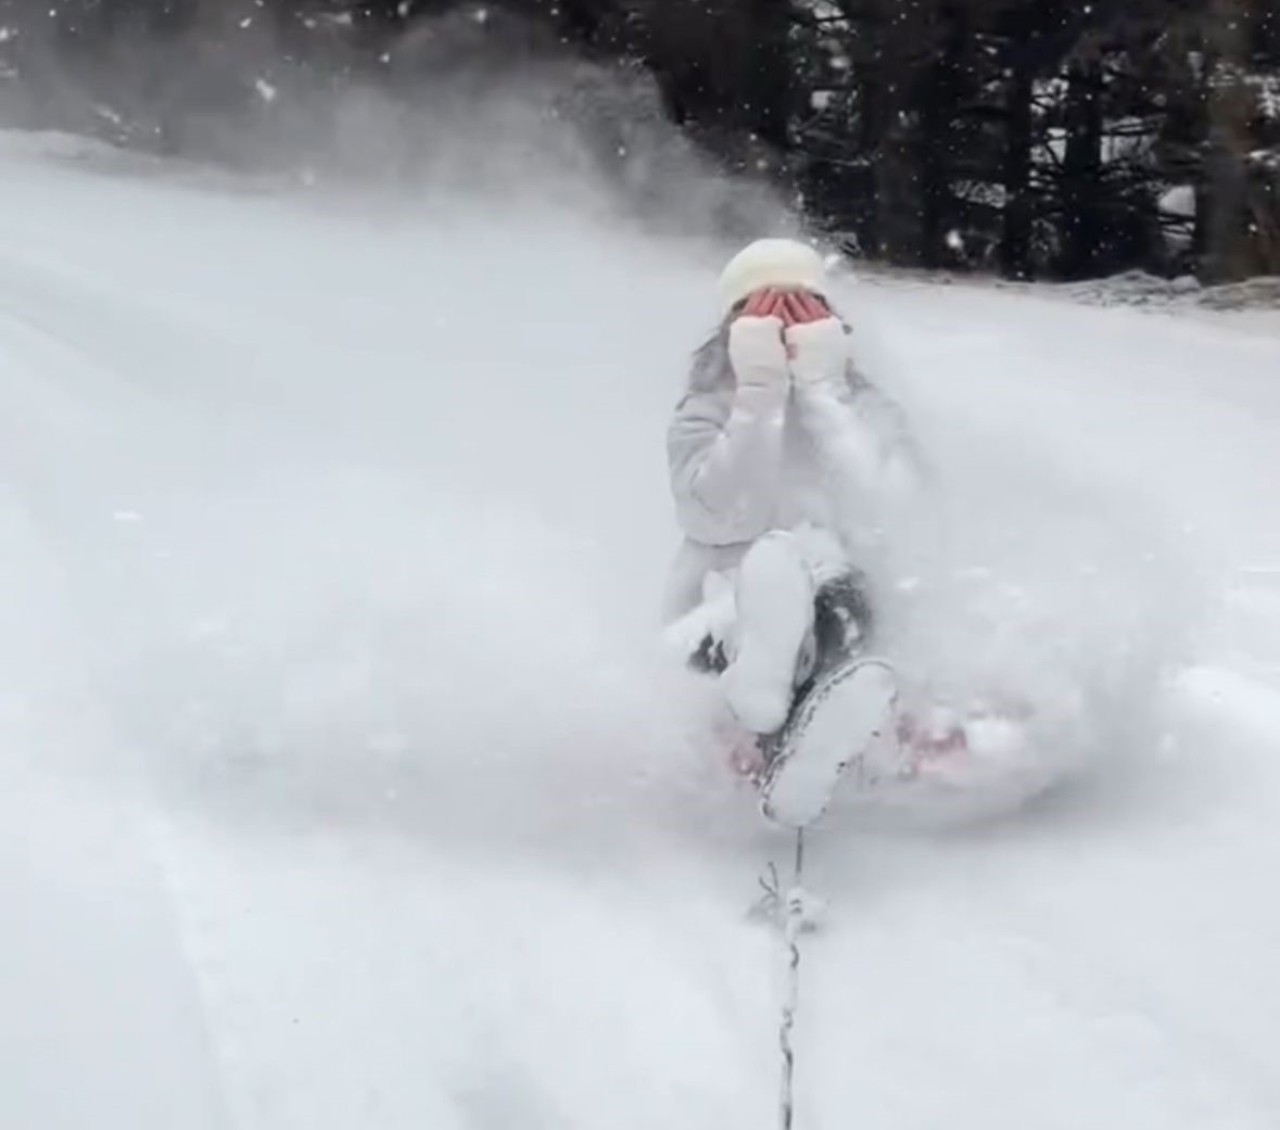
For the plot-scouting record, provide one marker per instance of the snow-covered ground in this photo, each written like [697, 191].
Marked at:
[341, 787]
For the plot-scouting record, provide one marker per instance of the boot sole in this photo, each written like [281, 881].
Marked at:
[833, 727]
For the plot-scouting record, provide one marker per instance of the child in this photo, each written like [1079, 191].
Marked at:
[778, 446]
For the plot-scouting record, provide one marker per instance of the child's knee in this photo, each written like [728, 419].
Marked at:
[775, 549]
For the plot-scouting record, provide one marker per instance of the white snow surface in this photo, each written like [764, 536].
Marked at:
[343, 785]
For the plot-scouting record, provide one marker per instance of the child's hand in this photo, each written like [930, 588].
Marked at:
[772, 314]
[817, 350]
[757, 350]
[766, 303]
[799, 307]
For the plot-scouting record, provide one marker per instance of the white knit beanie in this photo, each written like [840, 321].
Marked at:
[771, 262]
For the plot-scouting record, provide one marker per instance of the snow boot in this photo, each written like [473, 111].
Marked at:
[836, 723]
[775, 604]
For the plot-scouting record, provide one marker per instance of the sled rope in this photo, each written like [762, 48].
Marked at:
[792, 925]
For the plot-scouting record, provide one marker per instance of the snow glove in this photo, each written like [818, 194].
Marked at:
[783, 337]
[758, 354]
[818, 354]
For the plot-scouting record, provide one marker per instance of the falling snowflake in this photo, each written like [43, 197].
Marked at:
[265, 90]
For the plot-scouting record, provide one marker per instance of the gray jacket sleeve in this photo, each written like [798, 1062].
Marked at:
[863, 437]
[724, 448]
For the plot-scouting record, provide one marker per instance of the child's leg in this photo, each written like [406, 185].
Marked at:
[843, 619]
[842, 609]
[775, 617]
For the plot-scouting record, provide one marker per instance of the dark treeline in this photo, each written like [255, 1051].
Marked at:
[1042, 138]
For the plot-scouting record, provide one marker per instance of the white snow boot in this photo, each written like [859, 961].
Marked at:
[775, 596]
[834, 726]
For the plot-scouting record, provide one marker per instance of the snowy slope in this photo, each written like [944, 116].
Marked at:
[342, 789]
